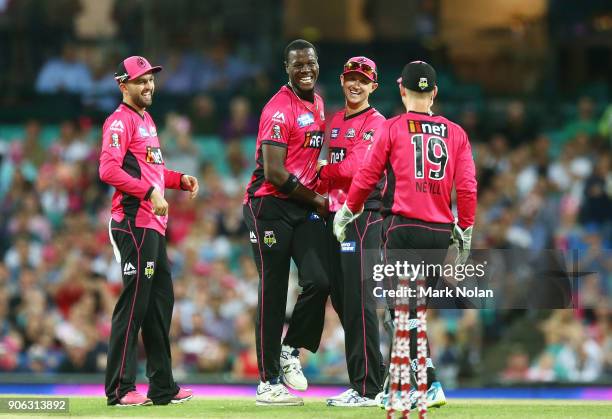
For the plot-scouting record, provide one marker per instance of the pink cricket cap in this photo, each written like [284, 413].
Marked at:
[361, 65]
[133, 67]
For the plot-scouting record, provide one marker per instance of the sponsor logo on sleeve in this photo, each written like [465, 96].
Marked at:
[347, 247]
[149, 270]
[269, 238]
[276, 132]
[368, 135]
[114, 140]
[314, 139]
[252, 237]
[425, 127]
[154, 155]
[143, 131]
[350, 133]
[278, 117]
[305, 119]
[336, 154]
[117, 126]
[334, 133]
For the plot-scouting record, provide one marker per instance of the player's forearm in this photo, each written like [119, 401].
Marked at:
[123, 182]
[466, 208]
[172, 179]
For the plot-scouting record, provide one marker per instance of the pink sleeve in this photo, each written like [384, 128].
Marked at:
[371, 169]
[275, 123]
[116, 137]
[172, 179]
[465, 183]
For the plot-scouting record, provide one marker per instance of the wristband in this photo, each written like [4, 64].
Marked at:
[290, 185]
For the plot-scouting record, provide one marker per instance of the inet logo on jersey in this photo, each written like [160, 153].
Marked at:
[314, 139]
[154, 155]
[336, 154]
[128, 269]
[422, 127]
[117, 125]
[278, 117]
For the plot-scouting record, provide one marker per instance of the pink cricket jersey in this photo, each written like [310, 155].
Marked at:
[131, 161]
[288, 121]
[349, 139]
[424, 156]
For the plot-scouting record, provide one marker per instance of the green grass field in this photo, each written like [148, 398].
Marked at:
[315, 408]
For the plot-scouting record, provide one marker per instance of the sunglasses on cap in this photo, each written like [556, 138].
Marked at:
[364, 68]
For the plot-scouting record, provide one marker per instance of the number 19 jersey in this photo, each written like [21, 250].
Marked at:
[424, 156]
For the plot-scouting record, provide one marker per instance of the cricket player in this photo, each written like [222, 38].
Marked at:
[131, 160]
[285, 218]
[350, 135]
[425, 155]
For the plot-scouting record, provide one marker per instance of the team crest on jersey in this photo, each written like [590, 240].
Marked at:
[143, 132]
[314, 139]
[368, 135]
[117, 125]
[149, 270]
[269, 238]
[305, 119]
[334, 133]
[276, 132]
[114, 140]
[350, 133]
[154, 155]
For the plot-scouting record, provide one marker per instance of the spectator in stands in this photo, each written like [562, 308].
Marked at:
[219, 70]
[240, 121]
[517, 127]
[203, 115]
[179, 72]
[584, 122]
[65, 74]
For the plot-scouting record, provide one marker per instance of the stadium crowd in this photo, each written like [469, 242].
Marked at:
[58, 277]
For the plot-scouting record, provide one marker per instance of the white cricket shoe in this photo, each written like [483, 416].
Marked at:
[435, 396]
[291, 369]
[350, 398]
[275, 395]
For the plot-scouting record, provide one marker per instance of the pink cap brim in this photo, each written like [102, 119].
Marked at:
[360, 72]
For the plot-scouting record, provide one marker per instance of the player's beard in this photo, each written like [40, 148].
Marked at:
[142, 102]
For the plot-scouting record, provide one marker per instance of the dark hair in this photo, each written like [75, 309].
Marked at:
[297, 45]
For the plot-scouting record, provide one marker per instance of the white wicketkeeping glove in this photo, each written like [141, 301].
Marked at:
[341, 220]
[463, 240]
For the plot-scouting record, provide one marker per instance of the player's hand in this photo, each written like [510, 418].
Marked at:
[341, 220]
[190, 183]
[322, 206]
[320, 164]
[160, 205]
[463, 240]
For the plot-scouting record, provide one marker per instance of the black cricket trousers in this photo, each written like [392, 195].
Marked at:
[281, 230]
[351, 290]
[413, 238]
[145, 304]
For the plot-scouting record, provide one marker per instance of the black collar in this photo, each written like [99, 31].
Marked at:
[346, 118]
[133, 109]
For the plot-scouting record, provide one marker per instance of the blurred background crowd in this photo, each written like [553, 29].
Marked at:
[534, 101]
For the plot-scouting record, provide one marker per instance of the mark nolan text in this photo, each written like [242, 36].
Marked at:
[433, 293]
